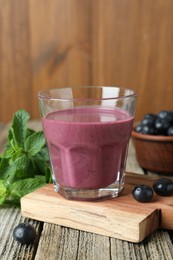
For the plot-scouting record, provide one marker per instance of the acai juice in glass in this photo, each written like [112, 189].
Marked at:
[87, 130]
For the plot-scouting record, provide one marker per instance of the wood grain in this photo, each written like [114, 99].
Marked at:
[45, 44]
[9, 248]
[122, 217]
[132, 46]
[15, 66]
[56, 242]
[61, 53]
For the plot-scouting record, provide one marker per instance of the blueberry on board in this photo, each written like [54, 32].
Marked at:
[163, 187]
[142, 193]
[170, 131]
[24, 233]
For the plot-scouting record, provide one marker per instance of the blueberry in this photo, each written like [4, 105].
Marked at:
[170, 131]
[163, 187]
[151, 116]
[162, 125]
[171, 113]
[142, 193]
[149, 119]
[138, 128]
[148, 130]
[159, 124]
[24, 233]
[145, 129]
[164, 114]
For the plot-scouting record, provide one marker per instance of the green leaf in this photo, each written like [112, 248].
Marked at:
[4, 162]
[30, 132]
[14, 170]
[44, 154]
[20, 162]
[8, 153]
[3, 192]
[7, 172]
[34, 143]
[25, 186]
[18, 130]
[48, 175]
[24, 164]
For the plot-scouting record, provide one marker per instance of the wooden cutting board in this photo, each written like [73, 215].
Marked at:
[122, 217]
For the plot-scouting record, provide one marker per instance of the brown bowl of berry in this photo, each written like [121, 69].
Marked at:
[153, 141]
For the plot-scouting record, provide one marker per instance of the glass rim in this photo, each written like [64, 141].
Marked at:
[42, 93]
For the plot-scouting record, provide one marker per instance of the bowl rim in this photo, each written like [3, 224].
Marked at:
[159, 138]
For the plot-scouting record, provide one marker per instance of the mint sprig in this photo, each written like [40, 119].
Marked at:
[24, 164]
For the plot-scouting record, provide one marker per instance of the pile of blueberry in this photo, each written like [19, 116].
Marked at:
[144, 193]
[156, 124]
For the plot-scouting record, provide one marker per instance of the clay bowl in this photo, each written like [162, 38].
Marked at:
[154, 153]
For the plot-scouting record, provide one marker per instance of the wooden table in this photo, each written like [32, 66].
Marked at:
[57, 242]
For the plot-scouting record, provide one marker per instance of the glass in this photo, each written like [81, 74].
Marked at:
[87, 130]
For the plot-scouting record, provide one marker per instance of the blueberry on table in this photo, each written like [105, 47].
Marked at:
[24, 233]
[163, 187]
[142, 193]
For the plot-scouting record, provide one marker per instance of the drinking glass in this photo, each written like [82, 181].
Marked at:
[87, 130]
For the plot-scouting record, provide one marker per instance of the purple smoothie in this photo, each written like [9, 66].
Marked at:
[87, 146]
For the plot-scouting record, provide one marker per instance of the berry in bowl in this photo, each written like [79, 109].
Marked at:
[153, 141]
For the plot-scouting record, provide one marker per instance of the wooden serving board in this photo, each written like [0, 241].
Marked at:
[122, 217]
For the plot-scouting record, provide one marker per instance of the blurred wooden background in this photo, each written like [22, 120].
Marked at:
[45, 44]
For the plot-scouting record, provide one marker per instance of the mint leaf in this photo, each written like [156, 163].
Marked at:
[18, 130]
[48, 174]
[8, 153]
[24, 164]
[43, 154]
[25, 186]
[34, 143]
[20, 162]
[3, 192]
[30, 132]
[7, 172]
[18, 170]
[4, 162]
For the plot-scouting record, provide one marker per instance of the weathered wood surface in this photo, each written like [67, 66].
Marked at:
[55, 242]
[45, 44]
[121, 217]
